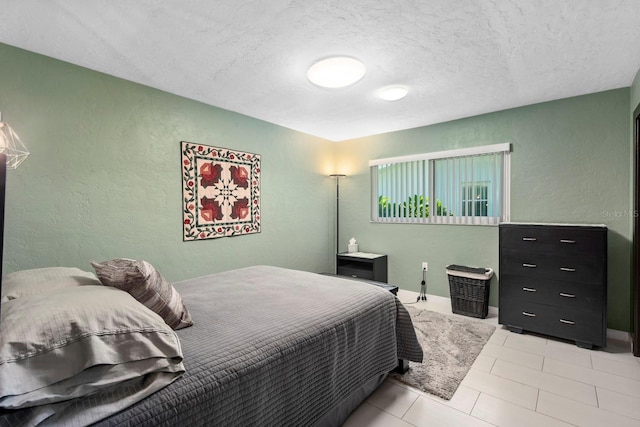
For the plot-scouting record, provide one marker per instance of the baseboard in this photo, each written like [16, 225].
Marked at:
[444, 300]
[438, 299]
[619, 335]
[493, 310]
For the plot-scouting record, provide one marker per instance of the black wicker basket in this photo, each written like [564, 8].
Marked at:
[469, 289]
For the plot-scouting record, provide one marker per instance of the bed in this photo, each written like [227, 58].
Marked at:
[268, 346]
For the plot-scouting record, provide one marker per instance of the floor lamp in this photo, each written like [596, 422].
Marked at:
[337, 176]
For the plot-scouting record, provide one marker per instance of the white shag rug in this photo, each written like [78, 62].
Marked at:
[450, 345]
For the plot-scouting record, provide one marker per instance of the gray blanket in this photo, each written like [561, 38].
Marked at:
[271, 346]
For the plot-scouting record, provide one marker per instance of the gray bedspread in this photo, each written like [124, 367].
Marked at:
[272, 346]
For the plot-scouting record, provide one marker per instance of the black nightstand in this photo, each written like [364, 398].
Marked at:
[361, 265]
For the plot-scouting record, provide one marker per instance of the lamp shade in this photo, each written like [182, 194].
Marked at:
[11, 146]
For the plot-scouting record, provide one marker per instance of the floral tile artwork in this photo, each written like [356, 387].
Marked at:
[220, 192]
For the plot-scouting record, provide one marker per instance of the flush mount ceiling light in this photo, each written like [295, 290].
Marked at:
[336, 72]
[393, 93]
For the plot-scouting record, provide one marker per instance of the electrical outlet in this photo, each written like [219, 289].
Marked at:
[425, 266]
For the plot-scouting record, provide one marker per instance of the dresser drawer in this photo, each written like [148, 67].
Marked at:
[556, 240]
[579, 325]
[542, 266]
[551, 292]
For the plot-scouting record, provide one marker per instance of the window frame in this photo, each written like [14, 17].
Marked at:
[430, 158]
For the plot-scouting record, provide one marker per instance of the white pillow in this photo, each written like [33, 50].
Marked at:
[39, 280]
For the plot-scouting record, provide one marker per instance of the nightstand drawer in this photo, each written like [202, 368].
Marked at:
[556, 240]
[355, 273]
[534, 265]
[551, 292]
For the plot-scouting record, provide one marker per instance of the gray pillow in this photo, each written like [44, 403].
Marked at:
[39, 280]
[147, 285]
[77, 341]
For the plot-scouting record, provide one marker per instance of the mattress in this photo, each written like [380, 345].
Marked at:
[271, 346]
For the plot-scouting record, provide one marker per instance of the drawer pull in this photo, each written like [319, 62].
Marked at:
[567, 322]
[529, 239]
[529, 289]
[354, 275]
[529, 265]
[528, 314]
[567, 241]
[570, 270]
[562, 294]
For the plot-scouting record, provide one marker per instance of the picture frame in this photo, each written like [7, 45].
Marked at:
[220, 192]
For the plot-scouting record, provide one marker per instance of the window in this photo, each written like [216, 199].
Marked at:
[475, 199]
[469, 186]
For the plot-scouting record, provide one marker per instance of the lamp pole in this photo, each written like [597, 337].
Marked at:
[337, 176]
[3, 175]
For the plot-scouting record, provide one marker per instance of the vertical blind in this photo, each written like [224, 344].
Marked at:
[467, 186]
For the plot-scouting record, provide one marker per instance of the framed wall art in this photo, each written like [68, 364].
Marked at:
[220, 192]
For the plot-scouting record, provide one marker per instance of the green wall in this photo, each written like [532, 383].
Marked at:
[570, 164]
[103, 179]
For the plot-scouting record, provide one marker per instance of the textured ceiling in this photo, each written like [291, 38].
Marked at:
[459, 58]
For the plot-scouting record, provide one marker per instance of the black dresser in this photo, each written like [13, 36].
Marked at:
[553, 280]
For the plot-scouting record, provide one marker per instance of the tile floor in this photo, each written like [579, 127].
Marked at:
[518, 380]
